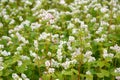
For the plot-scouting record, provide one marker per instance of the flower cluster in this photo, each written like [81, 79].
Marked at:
[59, 39]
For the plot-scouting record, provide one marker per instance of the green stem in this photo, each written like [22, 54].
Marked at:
[79, 71]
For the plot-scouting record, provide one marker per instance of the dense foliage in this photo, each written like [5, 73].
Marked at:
[59, 39]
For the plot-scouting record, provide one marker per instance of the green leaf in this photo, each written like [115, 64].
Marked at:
[7, 72]
[59, 75]
[1, 79]
[1, 73]
[11, 61]
[100, 63]
[117, 55]
[66, 72]
[21, 69]
[89, 77]
[75, 71]
[100, 75]
[105, 73]
[46, 77]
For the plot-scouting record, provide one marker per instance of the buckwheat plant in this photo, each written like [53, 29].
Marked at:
[59, 39]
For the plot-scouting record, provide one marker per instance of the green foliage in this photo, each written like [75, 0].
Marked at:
[59, 39]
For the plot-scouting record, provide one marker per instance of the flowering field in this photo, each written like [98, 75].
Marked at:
[59, 39]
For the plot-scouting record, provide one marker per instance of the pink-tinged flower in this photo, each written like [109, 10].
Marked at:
[47, 63]
[40, 78]
[118, 77]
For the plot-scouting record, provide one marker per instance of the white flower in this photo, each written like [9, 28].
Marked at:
[12, 1]
[71, 38]
[47, 63]
[116, 48]
[23, 76]
[15, 76]
[91, 59]
[19, 79]
[33, 54]
[49, 54]
[42, 50]
[117, 77]
[106, 15]
[70, 48]
[1, 25]
[88, 73]
[74, 31]
[112, 27]
[24, 57]
[55, 38]
[12, 21]
[1, 46]
[1, 59]
[9, 42]
[83, 25]
[62, 1]
[74, 61]
[76, 53]
[96, 8]
[99, 39]
[1, 67]
[104, 23]
[104, 9]
[93, 20]
[111, 55]
[44, 35]
[56, 27]
[12, 35]
[27, 79]
[51, 70]
[6, 17]
[52, 21]
[66, 64]
[5, 53]
[117, 70]
[46, 16]
[36, 44]
[114, 16]
[17, 52]
[54, 63]
[106, 54]
[88, 54]
[26, 22]
[6, 37]
[40, 78]
[59, 57]
[59, 54]
[104, 51]
[60, 46]
[88, 15]
[19, 48]
[3, 0]
[76, 19]
[35, 25]
[20, 18]
[19, 63]
[88, 57]
[20, 38]
[99, 30]
[28, 2]
[70, 26]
